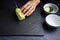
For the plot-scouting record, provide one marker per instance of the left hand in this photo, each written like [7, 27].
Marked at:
[29, 8]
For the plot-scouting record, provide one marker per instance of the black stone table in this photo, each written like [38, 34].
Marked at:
[10, 25]
[32, 25]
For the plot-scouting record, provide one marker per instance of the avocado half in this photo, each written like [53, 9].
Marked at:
[48, 9]
[19, 14]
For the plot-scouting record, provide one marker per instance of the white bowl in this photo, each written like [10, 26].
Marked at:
[53, 20]
[55, 7]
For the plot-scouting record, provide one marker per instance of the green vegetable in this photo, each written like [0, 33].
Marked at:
[19, 14]
[47, 9]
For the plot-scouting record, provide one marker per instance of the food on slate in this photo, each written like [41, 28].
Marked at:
[19, 14]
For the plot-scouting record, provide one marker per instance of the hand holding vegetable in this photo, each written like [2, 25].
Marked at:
[29, 7]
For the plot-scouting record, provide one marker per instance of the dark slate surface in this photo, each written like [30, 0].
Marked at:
[22, 38]
[10, 25]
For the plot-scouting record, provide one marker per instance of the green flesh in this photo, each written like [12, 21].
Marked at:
[19, 14]
[48, 9]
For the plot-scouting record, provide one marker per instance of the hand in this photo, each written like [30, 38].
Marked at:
[29, 8]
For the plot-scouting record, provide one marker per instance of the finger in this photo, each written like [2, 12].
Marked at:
[28, 11]
[23, 7]
[31, 12]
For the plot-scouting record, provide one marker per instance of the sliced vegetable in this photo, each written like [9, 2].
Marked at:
[19, 14]
[47, 9]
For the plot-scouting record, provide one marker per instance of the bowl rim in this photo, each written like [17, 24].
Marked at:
[50, 24]
[51, 4]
